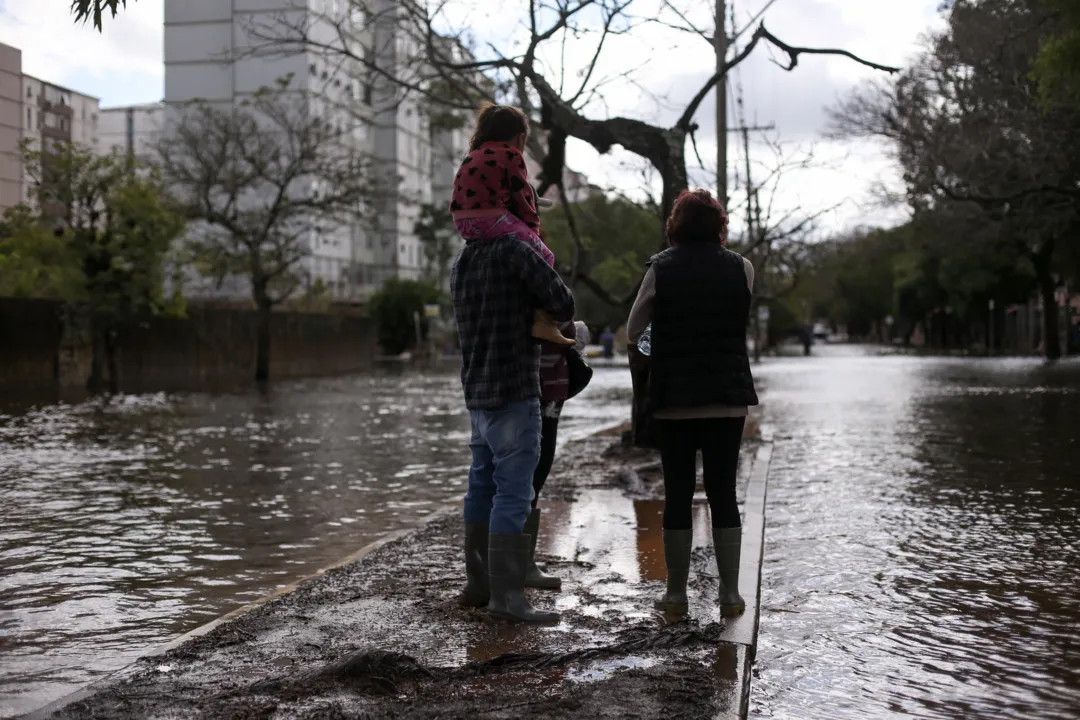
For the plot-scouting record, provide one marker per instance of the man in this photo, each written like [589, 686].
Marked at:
[496, 286]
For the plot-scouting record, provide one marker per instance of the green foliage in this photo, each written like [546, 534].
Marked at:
[1057, 67]
[36, 261]
[949, 258]
[618, 237]
[114, 225]
[393, 308]
[100, 232]
[439, 238]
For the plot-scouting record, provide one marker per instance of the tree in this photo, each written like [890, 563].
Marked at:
[94, 10]
[617, 237]
[438, 236]
[1057, 67]
[439, 69]
[966, 126]
[395, 308]
[261, 182]
[36, 261]
[114, 219]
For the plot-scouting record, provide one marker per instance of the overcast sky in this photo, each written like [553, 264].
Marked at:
[123, 65]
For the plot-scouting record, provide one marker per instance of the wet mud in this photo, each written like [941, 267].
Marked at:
[383, 638]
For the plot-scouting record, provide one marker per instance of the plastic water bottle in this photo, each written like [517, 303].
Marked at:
[644, 343]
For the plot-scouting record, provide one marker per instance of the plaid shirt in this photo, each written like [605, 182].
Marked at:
[497, 285]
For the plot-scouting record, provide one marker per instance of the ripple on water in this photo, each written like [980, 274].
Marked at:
[127, 523]
[922, 543]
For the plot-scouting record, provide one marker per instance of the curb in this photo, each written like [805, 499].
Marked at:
[743, 630]
[97, 685]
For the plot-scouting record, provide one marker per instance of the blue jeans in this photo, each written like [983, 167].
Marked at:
[505, 449]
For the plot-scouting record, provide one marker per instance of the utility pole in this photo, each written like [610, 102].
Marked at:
[720, 39]
[753, 221]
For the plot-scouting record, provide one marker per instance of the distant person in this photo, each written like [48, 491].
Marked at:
[496, 283]
[696, 296]
[492, 195]
[607, 342]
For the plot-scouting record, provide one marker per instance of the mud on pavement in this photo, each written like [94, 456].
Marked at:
[383, 638]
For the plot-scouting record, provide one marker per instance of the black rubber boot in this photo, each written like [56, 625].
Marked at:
[534, 576]
[507, 558]
[476, 592]
[677, 547]
[727, 543]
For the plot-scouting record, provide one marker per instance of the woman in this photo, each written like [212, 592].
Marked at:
[696, 296]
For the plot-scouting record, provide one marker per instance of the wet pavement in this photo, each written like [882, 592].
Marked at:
[125, 525]
[922, 544]
[382, 637]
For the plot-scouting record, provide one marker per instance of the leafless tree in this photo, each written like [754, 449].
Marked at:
[562, 99]
[259, 181]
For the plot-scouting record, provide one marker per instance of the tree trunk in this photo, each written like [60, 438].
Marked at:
[262, 340]
[95, 384]
[110, 359]
[1048, 291]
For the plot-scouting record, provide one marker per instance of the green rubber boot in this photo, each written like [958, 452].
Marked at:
[507, 558]
[677, 547]
[534, 576]
[476, 592]
[727, 542]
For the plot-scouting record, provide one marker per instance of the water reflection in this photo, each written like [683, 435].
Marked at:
[921, 543]
[126, 524]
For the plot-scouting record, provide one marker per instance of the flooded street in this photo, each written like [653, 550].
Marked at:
[921, 536]
[126, 525]
[922, 543]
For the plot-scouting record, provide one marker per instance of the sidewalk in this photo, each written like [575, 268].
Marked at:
[380, 636]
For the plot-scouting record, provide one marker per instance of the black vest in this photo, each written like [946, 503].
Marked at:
[699, 323]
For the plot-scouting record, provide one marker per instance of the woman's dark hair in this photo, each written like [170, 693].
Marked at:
[697, 217]
[497, 123]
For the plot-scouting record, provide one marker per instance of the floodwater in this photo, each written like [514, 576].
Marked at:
[127, 524]
[921, 555]
[922, 545]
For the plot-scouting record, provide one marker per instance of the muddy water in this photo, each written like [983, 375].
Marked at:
[922, 543]
[122, 526]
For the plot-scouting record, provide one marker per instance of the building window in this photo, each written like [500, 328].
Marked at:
[325, 75]
[29, 117]
[369, 91]
[29, 91]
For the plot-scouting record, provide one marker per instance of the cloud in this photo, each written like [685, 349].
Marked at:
[122, 64]
[649, 74]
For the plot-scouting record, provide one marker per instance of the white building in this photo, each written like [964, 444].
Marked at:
[133, 130]
[205, 44]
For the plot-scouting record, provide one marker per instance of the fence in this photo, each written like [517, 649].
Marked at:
[45, 345]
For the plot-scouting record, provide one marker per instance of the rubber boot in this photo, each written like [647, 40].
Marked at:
[727, 542]
[507, 558]
[534, 576]
[476, 592]
[677, 547]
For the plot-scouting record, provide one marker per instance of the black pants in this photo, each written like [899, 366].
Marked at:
[549, 434]
[719, 440]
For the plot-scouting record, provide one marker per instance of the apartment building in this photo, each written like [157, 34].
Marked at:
[41, 112]
[205, 59]
[132, 130]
